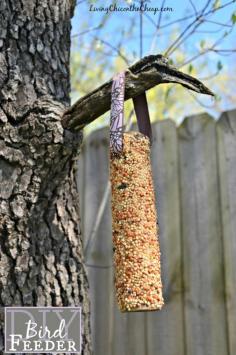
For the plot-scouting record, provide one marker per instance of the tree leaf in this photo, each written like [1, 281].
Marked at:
[217, 98]
[167, 93]
[202, 43]
[217, 4]
[190, 68]
[219, 65]
[233, 18]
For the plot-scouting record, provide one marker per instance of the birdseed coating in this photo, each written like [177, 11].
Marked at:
[135, 229]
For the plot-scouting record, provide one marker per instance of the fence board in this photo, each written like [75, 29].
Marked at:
[165, 328]
[204, 308]
[99, 258]
[120, 339]
[226, 129]
[136, 333]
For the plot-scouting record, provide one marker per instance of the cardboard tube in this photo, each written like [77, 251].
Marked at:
[135, 229]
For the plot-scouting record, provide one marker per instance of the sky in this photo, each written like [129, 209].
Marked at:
[122, 30]
[85, 19]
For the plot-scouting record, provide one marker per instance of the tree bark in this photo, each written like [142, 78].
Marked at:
[41, 261]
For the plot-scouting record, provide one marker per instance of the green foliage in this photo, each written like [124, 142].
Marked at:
[202, 43]
[217, 4]
[233, 18]
[219, 65]
[190, 68]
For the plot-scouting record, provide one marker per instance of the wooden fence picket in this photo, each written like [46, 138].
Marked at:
[204, 307]
[165, 331]
[226, 132]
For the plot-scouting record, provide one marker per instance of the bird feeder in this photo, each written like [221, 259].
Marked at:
[135, 229]
[134, 218]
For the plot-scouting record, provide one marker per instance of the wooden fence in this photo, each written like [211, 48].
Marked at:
[194, 169]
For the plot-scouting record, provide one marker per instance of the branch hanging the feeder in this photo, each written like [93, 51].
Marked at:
[140, 77]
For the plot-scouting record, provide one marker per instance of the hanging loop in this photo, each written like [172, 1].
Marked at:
[142, 114]
[117, 114]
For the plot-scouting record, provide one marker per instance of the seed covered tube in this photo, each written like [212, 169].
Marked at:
[135, 229]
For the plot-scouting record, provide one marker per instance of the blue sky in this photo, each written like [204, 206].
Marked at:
[85, 19]
[124, 28]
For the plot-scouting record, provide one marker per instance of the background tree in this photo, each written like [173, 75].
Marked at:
[40, 245]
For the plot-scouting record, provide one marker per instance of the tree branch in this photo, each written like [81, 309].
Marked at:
[141, 76]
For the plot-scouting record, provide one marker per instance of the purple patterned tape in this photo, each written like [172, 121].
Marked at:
[117, 113]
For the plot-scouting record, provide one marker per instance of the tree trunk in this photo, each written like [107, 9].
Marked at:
[41, 260]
